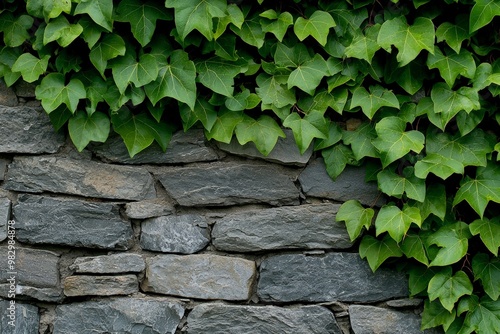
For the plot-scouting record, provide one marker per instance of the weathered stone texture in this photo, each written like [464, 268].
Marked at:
[3, 168]
[27, 130]
[8, 97]
[24, 316]
[4, 217]
[85, 285]
[79, 177]
[119, 315]
[202, 276]
[332, 277]
[218, 318]
[183, 148]
[41, 219]
[229, 183]
[305, 226]
[149, 208]
[349, 185]
[184, 234]
[109, 264]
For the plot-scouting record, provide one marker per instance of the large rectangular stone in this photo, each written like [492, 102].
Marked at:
[49, 220]
[304, 226]
[109, 264]
[332, 277]
[79, 177]
[86, 285]
[200, 276]
[221, 184]
[18, 318]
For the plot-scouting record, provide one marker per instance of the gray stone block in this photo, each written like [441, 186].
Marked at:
[85, 285]
[109, 264]
[341, 277]
[202, 276]
[220, 184]
[3, 168]
[350, 184]
[184, 234]
[4, 217]
[218, 318]
[7, 96]
[27, 130]
[48, 220]
[18, 318]
[119, 315]
[79, 177]
[149, 208]
[304, 226]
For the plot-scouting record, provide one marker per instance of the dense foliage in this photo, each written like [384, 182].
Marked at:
[407, 88]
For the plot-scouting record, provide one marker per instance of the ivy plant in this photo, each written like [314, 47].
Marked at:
[407, 88]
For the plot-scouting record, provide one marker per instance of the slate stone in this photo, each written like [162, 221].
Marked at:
[79, 177]
[185, 234]
[119, 315]
[220, 184]
[218, 318]
[24, 318]
[27, 130]
[304, 226]
[109, 264]
[4, 217]
[349, 184]
[7, 96]
[86, 285]
[184, 147]
[3, 168]
[343, 277]
[25, 89]
[149, 208]
[48, 220]
[201, 276]
[285, 152]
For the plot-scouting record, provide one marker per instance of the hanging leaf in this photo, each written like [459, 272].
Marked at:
[373, 100]
[413, 246]
[218, 75]
[110, 47]
[30, 66]
[355, 217]
[303, 131]
[224, 126]
[272, 90]
[435, 315]
[60, 30]
[483, 13]
[482, 315]
[364, 46]
[317, 26]
[101, 11]
[452, 65]
[84, 128]
[395, 185]
[454, 242]
[279, 23]
[202, 111]
[127, 70]
[15, 29]
[377, 251]
[395, 221]
[263, 132]
[448, 288]
[53, 92]
[308, 75]
[488, 230]
[453, 34]
[487, 270]
[337, 158]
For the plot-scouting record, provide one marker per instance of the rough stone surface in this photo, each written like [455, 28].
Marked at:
[228, 184]
[285, 152]
[185, 234]
[4, 217]
[404, 303]
[202, 276]
[41, 219]
[183, 148]
[218, 318]
[79, 177]
[109, 264]
[349, 185]
[119, 315]
[26, 130]
[8, 97]
[149, 208]
[25, 89]
[3, 168]
[305, 226]
[370, 319]
[85, 285]
[25, 318]
[341, 277]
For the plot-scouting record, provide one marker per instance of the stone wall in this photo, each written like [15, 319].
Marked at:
[200, 239]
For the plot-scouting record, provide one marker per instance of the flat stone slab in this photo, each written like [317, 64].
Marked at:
[341, 277]
[27, 130]
[149, 208]
[4, 217]
[222, 184]
[304, 226]
[119, 315]
[184, 147]
[79, 177]
[201, 276]
[48, 220]
[86, 285]
[185, 234]
[109, 264]
[350, 184]
[18, 318]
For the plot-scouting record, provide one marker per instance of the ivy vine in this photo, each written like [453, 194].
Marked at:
[407, 88]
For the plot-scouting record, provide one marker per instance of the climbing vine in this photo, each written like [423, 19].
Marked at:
[407, 88]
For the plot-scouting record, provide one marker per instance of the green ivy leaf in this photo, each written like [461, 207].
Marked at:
[453, 240]
[364, 46]
[84, 128]
[317, 26]
[279, 24]
[452, 34]
[234, 16]
[224, 126]
[61, 31]
[15, 30]
[487, 270]
[48, 9]
[91, 31]
[435, 315]
[348, 20]
[272, 90]
[488, 230]
[372, 101]
[95, 88]
[202, 111]
[395, 185]
[218, 75]
[413, 247]
[482, 316]
[242, 101]
[467, 122]
[128, 70]
[448, 288]
[419, 277]
[263, 132]
[360, 140]
[101, 11]
[333, 136]
[395, 221]
[53, 92]
[110, 47]
[355, 217]
[483, 13]
[59, 117]
[336, 159]
[30, 66]
[308, 75]
[303, 131]
[439, 165]
[251, 31]
[453, 65]
[377, 251]
[434, 202]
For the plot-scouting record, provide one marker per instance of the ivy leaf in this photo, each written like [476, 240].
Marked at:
[30, 66]
[202, 111]
[355, 217]
[101, 11]
[110, 47]
[413, 247]
[263, 132]
[372, 101]
[128, 70]
[453, 240]
[242, 101]
[449, 288]
[488, 271]
[333, 136]
[84, 128]
[395, 185]
[360, 140]
[439, 165]
[308, 75]
[377, 251]
[303, 131]
[434, 202]
[218, 75]
[409, 40]
[224, 126]
[95, 88]
[451, 66]
[60, 30]
[91, 31]
[336, 158]
[348, 20]
[409, 77]
[488, 230]
[394, 142]
[291, 57]
[317, 26]
[395, 221]
[467, 122]
[59, 117]
[482, 315]
[279, 24]
[483, 13]
[364, 46]
[48, 9]
[435, 315]
[234, 16]
[251, 31]
[272, 90]
[15, 30]
[452, 34]
[53, 92]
